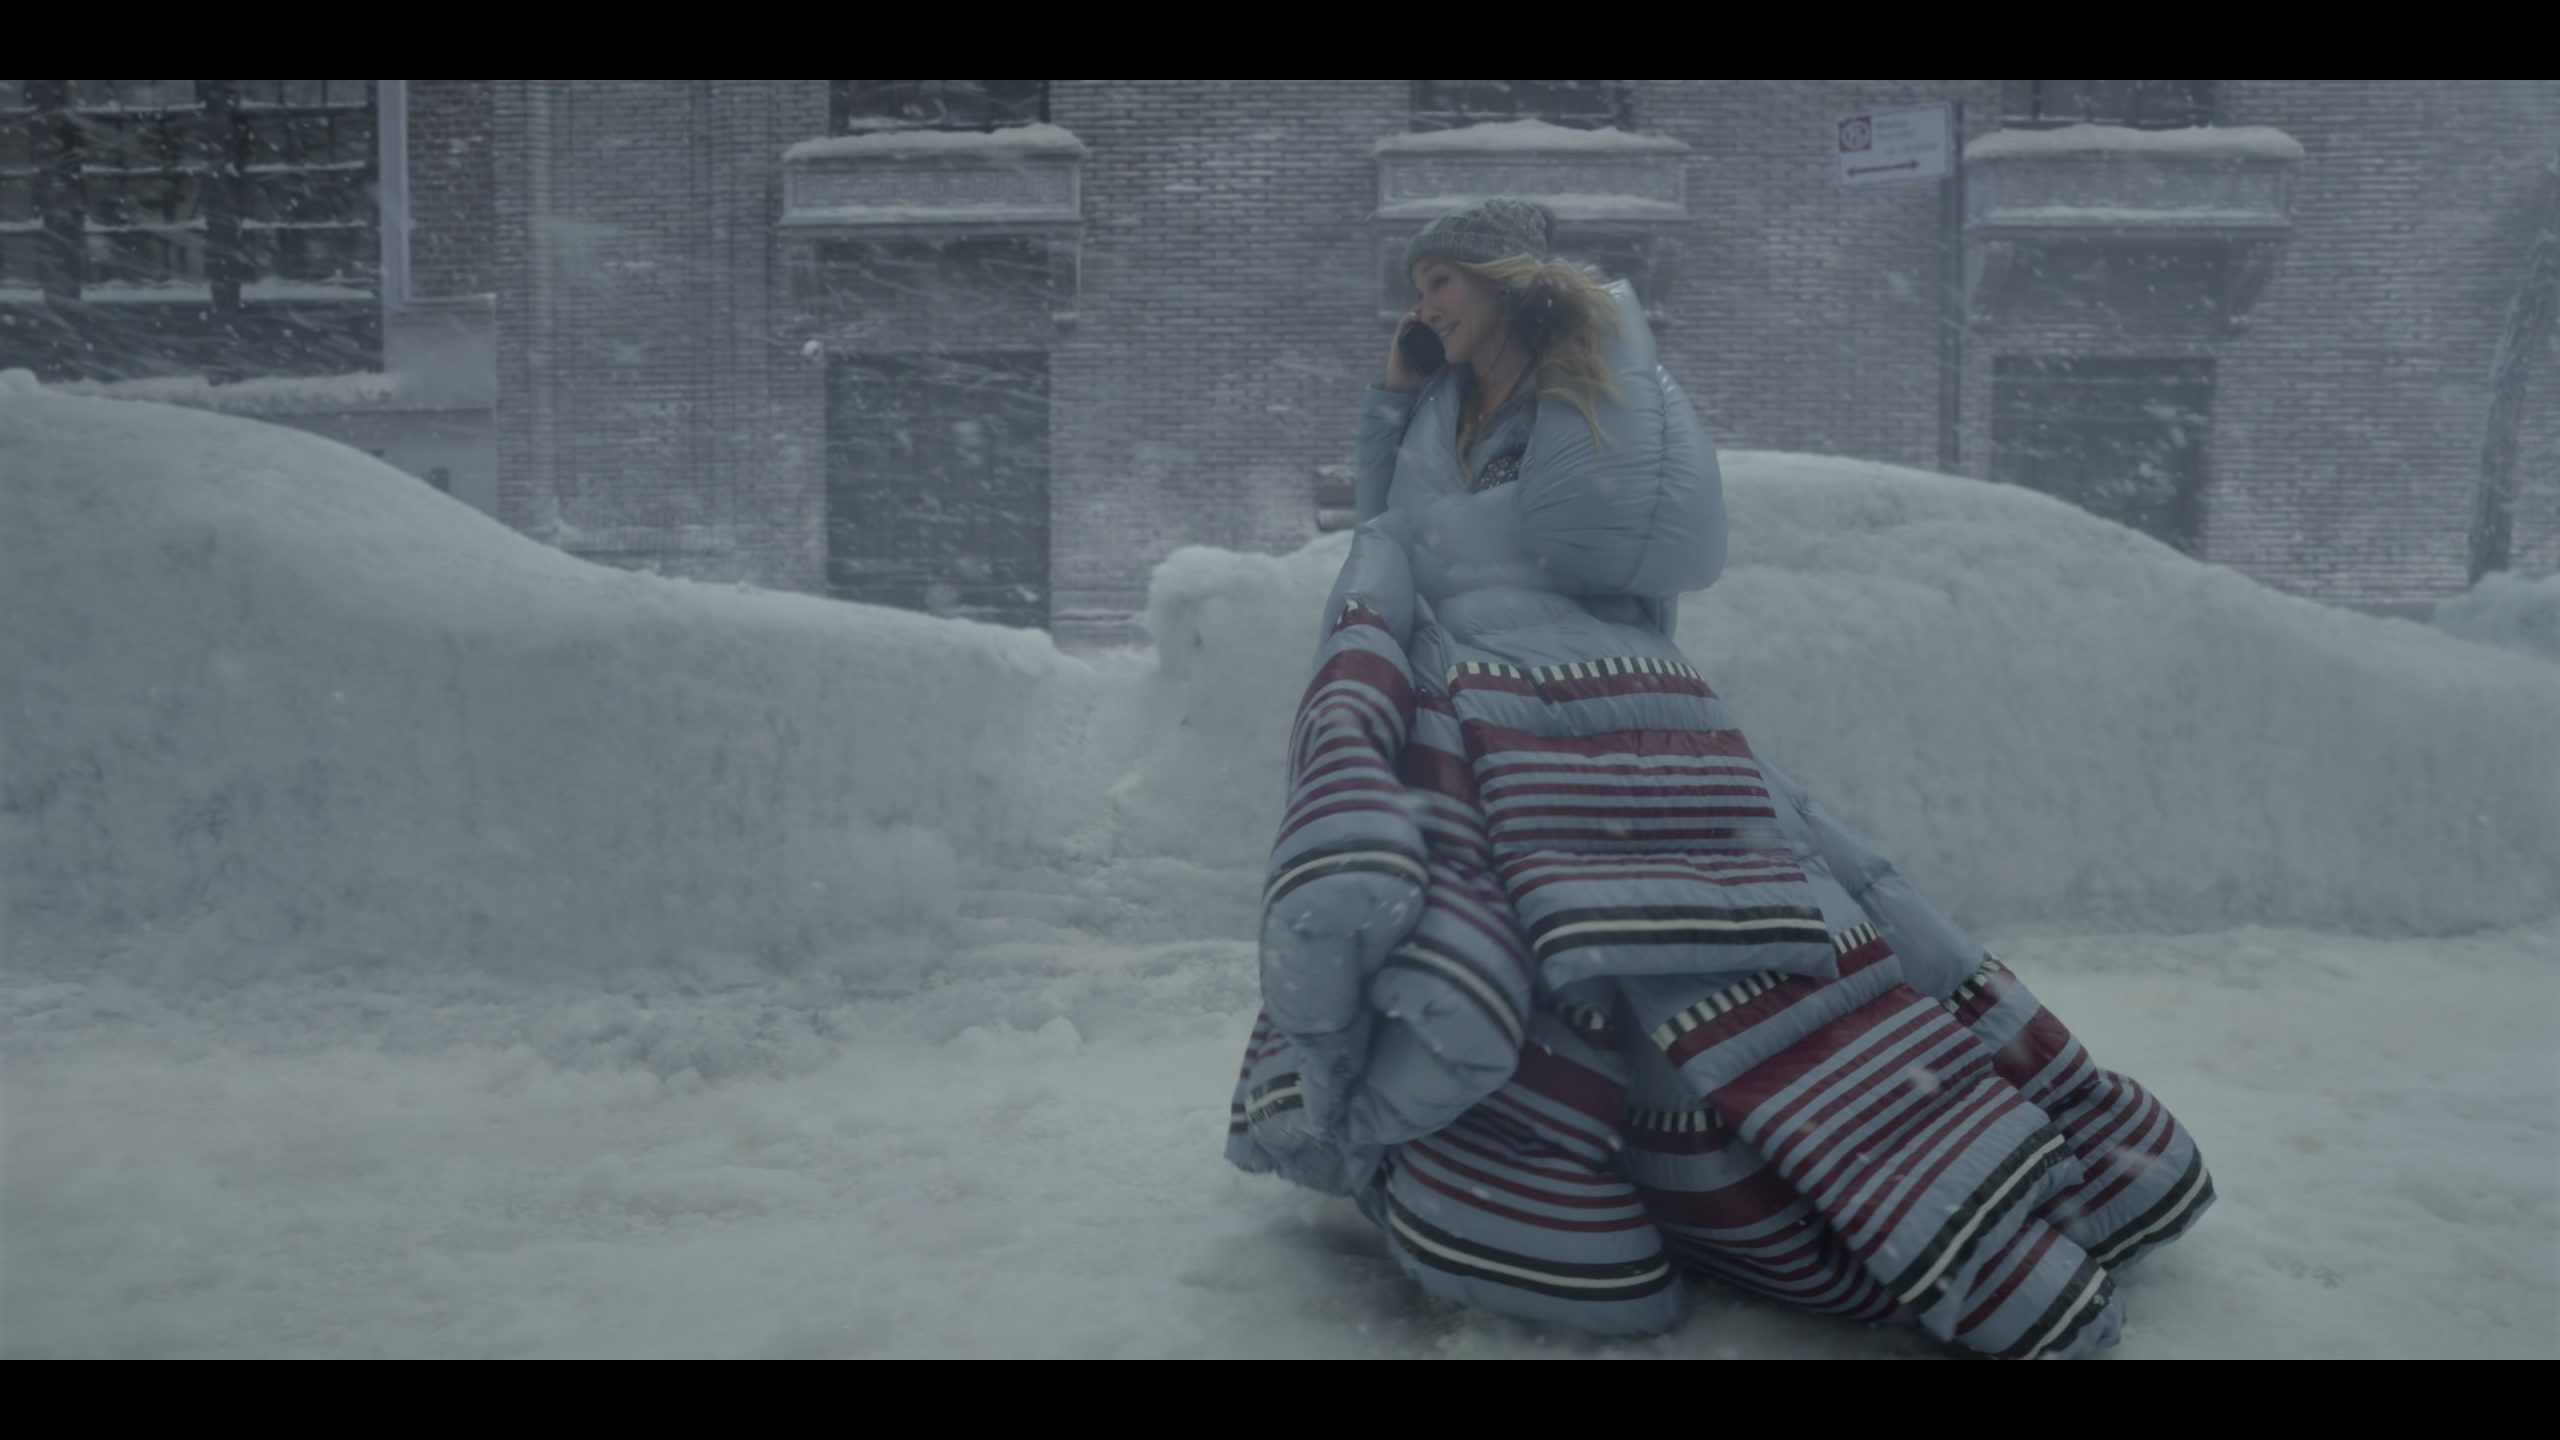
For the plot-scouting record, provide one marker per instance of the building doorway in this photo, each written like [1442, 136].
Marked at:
[938, 484]
[2120, 438]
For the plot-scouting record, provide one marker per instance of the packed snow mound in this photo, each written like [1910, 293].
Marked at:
[270, 704]
[267, 698]
[2507, 610]
[2041, 715]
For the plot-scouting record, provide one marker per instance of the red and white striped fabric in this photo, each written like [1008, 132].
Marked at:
[1577, 997]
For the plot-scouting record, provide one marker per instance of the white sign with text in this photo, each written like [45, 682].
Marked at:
[1891, 147]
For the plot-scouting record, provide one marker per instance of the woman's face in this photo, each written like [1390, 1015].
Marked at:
[1465, 311]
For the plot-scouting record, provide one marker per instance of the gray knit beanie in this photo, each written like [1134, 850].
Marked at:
[1488, 230]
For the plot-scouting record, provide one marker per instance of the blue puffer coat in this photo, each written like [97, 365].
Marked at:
[1575, 995]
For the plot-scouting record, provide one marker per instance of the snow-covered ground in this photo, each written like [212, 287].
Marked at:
[2508, 610]
[422, 943]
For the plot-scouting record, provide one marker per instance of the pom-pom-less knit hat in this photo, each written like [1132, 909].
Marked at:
[1488, 230]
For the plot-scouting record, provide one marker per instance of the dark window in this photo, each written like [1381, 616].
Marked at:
[308, 151]
[2120, 438]
[1580, 104]
[21, 223]
[952, 277]
[206, 198]
[962, 292]
[2142, 104]
[861, 105]
[938, 484]
[143, 152]
[150, 157]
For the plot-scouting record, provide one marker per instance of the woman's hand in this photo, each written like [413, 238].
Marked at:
[1403, 378]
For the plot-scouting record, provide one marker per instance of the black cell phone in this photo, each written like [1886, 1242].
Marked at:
[1422, 348]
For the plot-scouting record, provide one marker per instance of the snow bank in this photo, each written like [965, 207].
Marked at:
[1025, 1162]
[2507, 610]
[2041, 715]
[274, 717]
[271, 704]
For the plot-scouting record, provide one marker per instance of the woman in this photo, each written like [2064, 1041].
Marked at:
[1568, 989]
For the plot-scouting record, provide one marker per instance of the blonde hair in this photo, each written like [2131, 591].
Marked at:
[1562, 313]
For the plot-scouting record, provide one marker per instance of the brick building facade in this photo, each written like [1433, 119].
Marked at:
[675, 295]
[994, 348]
[311, 252]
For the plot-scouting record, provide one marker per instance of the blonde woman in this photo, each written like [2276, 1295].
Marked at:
[1500, 323]
[1579, 999]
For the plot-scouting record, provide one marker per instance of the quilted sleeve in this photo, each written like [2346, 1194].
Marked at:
[1348, 870]
[1640, 512]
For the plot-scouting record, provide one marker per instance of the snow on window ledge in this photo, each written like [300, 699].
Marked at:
[1582, 175]
[2202, 142]
[1026, 177]
[2107, 216]
[1535, 137]
[125, 292]
[962, 215]
[270, 395]
[920, 144]
[2224, 191]
[2202, 183]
